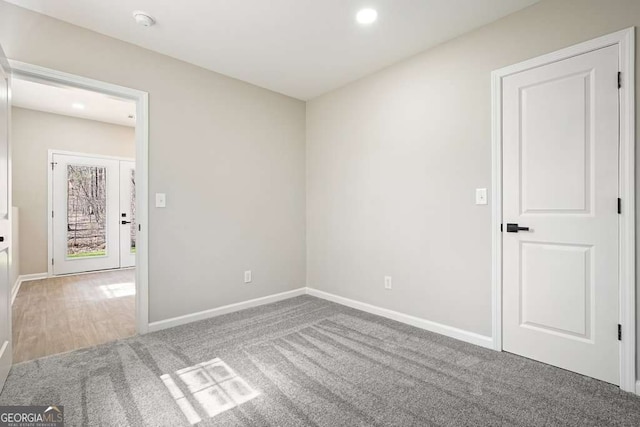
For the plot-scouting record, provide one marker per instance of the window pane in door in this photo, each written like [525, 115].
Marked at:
[132, 201]
[86, 211]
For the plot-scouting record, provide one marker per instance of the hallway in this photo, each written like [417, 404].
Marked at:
[61, 314]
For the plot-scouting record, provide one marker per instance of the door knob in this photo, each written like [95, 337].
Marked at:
[126, 222]
[514, 228]
[1, 238]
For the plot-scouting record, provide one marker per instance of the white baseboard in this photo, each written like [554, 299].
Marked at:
[638, 388]
[449, 331]
[25, 278]
[207, 314]
[428, 325]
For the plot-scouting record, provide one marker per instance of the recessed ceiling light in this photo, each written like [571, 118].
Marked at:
[367, 16]
[143, 18]
[77, 106]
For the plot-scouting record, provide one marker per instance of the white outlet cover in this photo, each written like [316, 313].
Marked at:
[481, 196]
[247, 276]
[161, 200]
[388, 282]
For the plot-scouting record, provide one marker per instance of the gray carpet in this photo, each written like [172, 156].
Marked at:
[306, 361]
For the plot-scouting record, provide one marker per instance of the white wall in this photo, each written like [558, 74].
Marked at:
[393, 161]
[229, 156]
[34, 133]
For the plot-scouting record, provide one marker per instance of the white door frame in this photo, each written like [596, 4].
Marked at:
[51, 153]
[625, 40]
[141, 99]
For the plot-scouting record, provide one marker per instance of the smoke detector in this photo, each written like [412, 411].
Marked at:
[143, 18]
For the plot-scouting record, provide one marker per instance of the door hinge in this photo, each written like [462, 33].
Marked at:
[51, 214]
[139, 227]
[619, 205]
[619, 332]
[52, 261]
[501, 228]
[619, 79]
[53, 165]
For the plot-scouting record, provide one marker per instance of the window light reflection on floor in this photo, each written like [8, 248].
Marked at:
[118, 290]
[213, 385]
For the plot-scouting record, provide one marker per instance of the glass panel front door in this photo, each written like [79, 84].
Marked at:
[86, 211]
[85, 205]
[128, 226]
[132, 207]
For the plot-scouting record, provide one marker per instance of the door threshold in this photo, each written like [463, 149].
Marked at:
[91, 272]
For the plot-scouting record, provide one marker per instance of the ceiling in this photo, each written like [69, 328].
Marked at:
[301, 48]
[61, 100]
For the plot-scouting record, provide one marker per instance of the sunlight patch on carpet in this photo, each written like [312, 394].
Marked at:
[212, 386]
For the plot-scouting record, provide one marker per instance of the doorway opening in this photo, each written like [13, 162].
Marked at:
[79, 156]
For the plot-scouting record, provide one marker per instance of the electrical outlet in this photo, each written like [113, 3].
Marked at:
[247, 276]
[388, 284]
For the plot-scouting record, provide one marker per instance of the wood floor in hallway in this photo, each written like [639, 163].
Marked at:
[61, 314]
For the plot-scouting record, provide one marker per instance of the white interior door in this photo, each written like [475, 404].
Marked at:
[86, 227]
[560, 179]
[5, 287]
[128, 227]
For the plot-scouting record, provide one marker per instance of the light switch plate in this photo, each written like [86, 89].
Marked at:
[481, 196]
[161, 200]
[247, 276]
